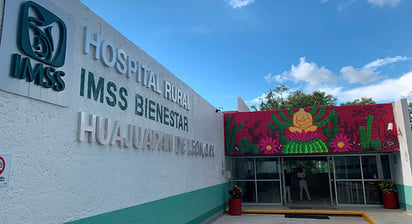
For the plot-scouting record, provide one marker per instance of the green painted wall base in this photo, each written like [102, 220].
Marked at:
[404, 196]
[192, 207]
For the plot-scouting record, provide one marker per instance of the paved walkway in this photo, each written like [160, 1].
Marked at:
[379, 215]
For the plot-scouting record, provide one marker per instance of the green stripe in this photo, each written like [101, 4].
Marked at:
[404, 196]
[208, 214]
[192, 207]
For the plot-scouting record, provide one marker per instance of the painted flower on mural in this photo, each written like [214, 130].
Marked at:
[268, 145]
[304, 136]
[341, 143]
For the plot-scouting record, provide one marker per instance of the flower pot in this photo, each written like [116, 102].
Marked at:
[235, 206]
[390, 200]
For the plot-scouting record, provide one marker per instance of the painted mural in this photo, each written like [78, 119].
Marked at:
[345, 129]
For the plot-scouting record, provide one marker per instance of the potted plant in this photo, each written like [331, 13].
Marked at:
[390, 198]
[235, 200]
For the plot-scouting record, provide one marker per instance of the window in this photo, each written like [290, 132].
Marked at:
[369, 167]
[244, 169]
[347, 167]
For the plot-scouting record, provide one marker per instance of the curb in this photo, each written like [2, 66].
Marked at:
[365, 216]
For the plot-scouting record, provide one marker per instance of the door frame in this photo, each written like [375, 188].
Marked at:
[326, 158]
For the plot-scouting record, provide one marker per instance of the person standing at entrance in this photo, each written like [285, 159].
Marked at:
[303, 185]
[288, 184]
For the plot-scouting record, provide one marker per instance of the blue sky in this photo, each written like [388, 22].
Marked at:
[225, 49]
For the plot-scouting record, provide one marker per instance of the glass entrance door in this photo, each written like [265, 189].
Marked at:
[331, 180]
[317, 176]
[268, 182]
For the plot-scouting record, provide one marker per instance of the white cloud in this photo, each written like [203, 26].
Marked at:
[387, 90]
[368, 73]
[382, 3]
[239, 3]
[269, 78]
[314, 77]
[307, 72]
[358, 75]
[310, 73]
[385, 61]
[344, 5]
[257, 100]
[334, 91]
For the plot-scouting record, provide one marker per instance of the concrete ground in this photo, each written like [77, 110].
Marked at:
[379, 215]
[280, 219]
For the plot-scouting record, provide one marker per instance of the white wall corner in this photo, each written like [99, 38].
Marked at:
[241, 105]
[401, 115]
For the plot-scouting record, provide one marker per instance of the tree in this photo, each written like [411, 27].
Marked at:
[299, 99]
[361, 101]
[275, 99]
[410, 114]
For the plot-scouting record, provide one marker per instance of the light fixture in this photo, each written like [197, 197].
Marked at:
[390, 126]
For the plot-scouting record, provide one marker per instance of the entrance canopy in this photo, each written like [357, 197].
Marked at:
[320, 130]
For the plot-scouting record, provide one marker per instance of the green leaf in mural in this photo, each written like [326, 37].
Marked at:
[331, 128]
[246, 146]
[365, 135]
[320, 114]
[376, 144]
[284, 118]
[231, 135]
[271, 127]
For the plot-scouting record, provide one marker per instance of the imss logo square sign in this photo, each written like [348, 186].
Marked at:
[42, 35]
[36, 43]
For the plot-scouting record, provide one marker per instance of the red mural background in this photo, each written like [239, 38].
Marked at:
[344, 129]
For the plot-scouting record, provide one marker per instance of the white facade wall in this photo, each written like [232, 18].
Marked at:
[401, 162]
[55, 178]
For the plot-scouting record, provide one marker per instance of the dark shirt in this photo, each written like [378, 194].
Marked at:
[288, 181]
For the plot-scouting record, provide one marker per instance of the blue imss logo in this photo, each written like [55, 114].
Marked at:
[42, 36]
